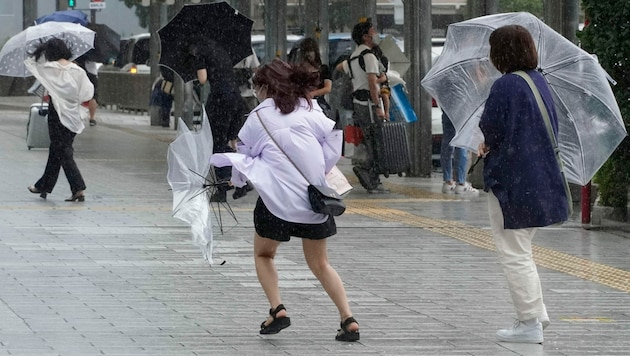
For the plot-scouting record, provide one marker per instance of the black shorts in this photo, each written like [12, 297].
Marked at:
[270, 226]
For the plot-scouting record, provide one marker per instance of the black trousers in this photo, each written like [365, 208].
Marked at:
[225, 115]
[60, 155]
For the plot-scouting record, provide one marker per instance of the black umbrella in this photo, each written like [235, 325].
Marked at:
[106, 43]
[199, 23]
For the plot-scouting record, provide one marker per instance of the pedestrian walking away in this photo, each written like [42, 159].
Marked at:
[521, 173]
[68, 87]
[162, 95]
[288, 113]
[244, 72]
[363, 68]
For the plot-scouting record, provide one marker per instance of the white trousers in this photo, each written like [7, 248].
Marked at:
[514, 249]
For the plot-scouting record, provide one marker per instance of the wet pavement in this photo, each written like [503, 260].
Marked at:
[118, 275]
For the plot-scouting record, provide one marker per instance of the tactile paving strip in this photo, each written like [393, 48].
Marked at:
[555, 260]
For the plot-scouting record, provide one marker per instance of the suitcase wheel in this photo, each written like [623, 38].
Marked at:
[29, 147]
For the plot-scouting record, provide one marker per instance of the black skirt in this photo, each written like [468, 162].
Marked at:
[270, 226]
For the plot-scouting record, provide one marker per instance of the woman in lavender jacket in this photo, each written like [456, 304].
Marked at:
[521, 174]
[299, 126]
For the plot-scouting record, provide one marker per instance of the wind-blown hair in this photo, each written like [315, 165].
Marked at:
[53, 50]
[306, 51]
[286, 83]
[512, 48]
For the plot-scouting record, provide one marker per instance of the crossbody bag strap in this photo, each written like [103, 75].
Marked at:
[552, 137]
[280, 147]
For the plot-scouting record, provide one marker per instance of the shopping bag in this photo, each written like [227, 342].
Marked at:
[338, 181]
[353, 134]
[400, 108]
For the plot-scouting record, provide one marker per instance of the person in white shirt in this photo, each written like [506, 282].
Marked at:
[363, 68]
[299, 126]
[68, 87]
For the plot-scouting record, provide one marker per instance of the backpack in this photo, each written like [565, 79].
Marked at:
[345, 81]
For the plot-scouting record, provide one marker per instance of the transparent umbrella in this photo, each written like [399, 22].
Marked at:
[19, 47]
[590, 123]
[192, 183]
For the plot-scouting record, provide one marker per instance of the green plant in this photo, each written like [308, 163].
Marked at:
[534, 7]
[608, 36]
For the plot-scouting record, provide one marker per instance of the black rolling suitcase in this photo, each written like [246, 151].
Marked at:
[392, 154]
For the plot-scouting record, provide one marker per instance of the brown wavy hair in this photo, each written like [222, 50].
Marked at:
[286, 83]
[512, 48]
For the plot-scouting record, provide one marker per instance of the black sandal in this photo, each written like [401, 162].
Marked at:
[344, 334]
[277, 324]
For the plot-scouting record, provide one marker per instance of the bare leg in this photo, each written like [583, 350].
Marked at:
[264, 253]
[316, 257]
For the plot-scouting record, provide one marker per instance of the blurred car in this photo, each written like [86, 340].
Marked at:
[258, 44]
[134, 54]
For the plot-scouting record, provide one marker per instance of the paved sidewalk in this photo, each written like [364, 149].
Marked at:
[117, 275]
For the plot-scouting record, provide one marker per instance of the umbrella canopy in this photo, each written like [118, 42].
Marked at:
[397, 60]
[192, 184]
[590, 123]
[19, 47]
[72, 16]
[106, 43]
[196, 23]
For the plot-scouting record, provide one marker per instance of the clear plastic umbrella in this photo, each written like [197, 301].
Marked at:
[78, 38]
[192, 183]
[590, 123]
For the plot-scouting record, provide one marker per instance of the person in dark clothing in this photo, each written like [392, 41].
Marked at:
[307, 51]
[162, 95]
[224, 106]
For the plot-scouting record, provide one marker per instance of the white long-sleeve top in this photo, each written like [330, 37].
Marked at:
[68, 86]
[307, 136]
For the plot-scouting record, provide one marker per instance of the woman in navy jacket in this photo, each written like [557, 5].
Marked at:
[521, 174]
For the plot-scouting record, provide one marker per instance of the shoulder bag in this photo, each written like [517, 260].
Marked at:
[552, 137]
[324, 200]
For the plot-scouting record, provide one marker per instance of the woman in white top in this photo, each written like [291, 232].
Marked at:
[283, 210]
[68, 87]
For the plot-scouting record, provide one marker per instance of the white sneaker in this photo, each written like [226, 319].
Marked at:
[465, 188]
[448, 188]
[527, 332]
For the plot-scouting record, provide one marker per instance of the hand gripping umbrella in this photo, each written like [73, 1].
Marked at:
[196, 23]
[19, 47]
[590, 123]
[192, 183]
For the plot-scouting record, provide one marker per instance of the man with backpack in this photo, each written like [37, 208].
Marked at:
[363, 69]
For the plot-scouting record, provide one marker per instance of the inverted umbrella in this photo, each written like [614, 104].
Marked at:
[192, 183]
[195, 24]
[590, 126]
[72, 16]
[19, 47]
